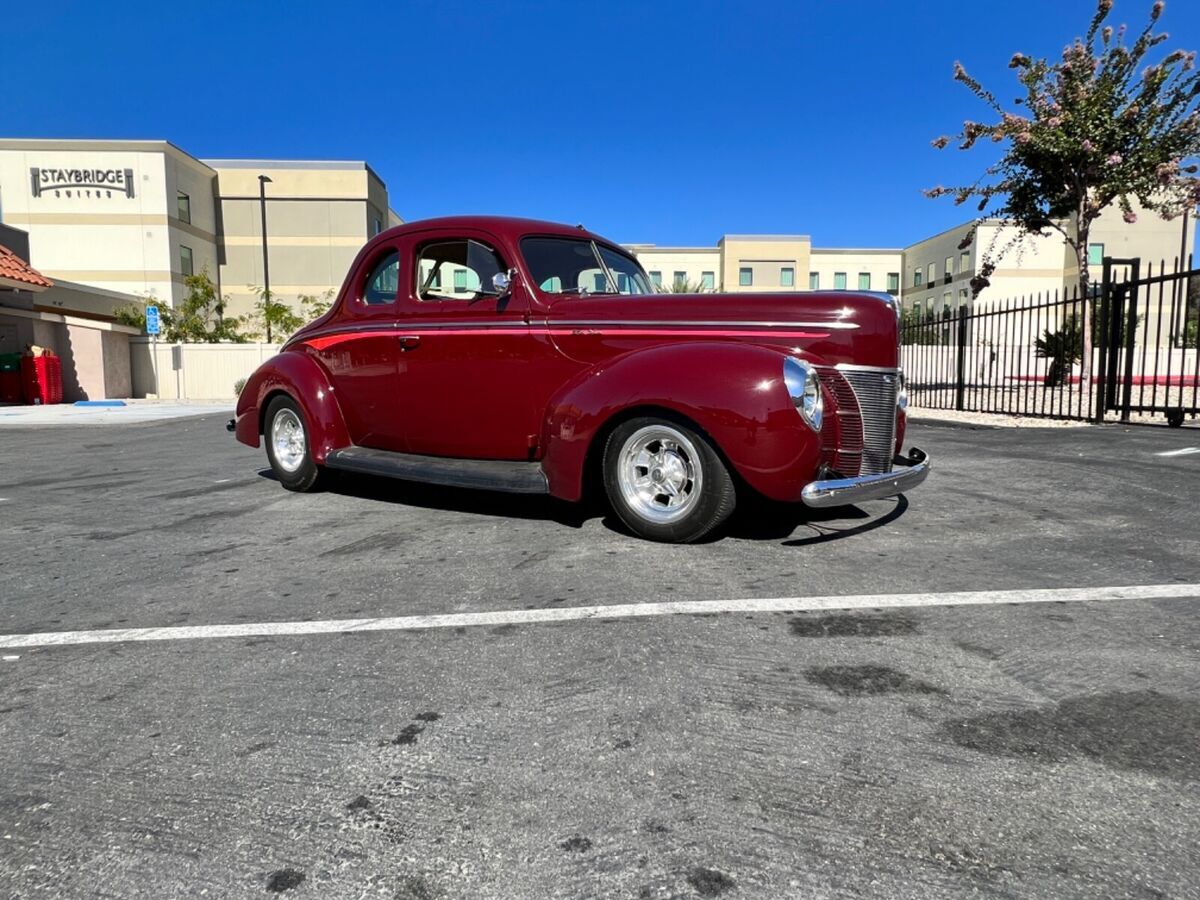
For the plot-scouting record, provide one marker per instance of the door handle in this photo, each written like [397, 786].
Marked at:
[409, 342]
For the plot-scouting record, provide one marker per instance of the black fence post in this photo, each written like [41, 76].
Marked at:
[1130, 337]
[961, 367]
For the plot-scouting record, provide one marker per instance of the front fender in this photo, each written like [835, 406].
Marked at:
[734, 392]
[304, 380]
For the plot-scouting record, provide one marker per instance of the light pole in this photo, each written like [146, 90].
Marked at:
[262, 205]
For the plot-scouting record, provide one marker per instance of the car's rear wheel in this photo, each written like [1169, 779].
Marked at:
[288, 449]
[665, 481]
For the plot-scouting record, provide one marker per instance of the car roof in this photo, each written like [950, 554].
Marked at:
[510, 227]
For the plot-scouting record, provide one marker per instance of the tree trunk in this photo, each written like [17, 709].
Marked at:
[1081, 260]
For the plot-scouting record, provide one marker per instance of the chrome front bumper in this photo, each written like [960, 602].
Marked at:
[910, 471]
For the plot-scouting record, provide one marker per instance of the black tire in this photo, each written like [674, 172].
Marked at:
[295, 475]
[1175, 418]
[681, 493]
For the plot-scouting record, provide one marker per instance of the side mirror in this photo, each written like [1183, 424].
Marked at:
[502, 282]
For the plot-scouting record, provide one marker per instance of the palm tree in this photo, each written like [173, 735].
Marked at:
[683, 286]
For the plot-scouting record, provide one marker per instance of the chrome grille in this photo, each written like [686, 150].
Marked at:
[843, 446]
[875, 391]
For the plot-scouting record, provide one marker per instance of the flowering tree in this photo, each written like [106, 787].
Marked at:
[1102, 126]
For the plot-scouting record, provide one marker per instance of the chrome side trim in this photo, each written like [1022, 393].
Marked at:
[913, 469]
[849, 367]
[690, 323]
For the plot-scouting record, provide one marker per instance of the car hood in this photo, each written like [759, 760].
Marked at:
[832, 327]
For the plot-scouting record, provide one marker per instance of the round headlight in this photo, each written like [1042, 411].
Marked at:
[804, 387]
[902, 393]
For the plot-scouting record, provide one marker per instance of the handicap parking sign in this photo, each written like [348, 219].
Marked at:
[152, 326]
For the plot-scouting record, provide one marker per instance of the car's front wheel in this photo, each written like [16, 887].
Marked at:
[288, 449]
[665, 481]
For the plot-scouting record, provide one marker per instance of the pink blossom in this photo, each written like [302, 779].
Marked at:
[1114, 159]
[1088, 147]
[1130, 217]
[1156, 10]
[1018, 59]
[1107, 32]
[1024, 137]
[1106, 6]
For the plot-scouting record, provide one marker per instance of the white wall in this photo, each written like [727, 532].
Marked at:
[194, 371]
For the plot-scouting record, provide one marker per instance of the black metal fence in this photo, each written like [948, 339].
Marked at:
[1023, 356]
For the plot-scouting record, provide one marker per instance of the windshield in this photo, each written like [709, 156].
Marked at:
[580, 267]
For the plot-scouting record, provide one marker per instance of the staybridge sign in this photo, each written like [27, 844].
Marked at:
[81, 182]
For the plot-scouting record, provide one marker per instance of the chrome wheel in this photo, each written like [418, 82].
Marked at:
[659, 473]
[287, 440]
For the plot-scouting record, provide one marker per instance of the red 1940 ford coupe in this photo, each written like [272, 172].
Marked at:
[524, 356]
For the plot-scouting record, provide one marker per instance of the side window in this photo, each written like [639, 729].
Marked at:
[383, 281]
[457, 270]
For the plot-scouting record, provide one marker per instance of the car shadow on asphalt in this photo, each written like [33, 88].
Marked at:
[476, 502]
[756, 518]
[764, 520]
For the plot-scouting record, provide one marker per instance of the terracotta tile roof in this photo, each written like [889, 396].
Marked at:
[15, 269]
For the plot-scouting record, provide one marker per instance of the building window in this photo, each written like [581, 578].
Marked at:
[931, 274]
[962, 297]
[946, 303]
[839, 281]
[787, 277]
[183, 204]
[1095, 254]
[376, 226]
[964, 262]
[185, 260]
[949, 268]
[864, 281]
[656, 279]
[460, 279]
[917, 277]
[680, 278]
[745, 276]
[708, 281]
[814, 281]
[893, 282]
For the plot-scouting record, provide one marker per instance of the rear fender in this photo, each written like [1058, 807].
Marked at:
[304, 380]
[734, 392]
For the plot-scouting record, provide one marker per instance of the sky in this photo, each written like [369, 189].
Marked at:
[670, 123]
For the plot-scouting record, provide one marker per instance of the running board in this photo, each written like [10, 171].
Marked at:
[485, 474]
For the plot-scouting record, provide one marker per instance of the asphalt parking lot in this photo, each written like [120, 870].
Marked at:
[909, 749]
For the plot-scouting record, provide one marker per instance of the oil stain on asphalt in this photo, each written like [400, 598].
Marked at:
[709, 882]
[284, 880]
[857, 681]
[1143, 731]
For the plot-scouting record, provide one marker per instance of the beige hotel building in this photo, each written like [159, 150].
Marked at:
[137, 217]
[931, 275]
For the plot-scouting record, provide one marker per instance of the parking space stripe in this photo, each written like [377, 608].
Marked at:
[1186, 451]
[600, 613]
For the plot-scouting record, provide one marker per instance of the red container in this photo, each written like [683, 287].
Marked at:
[41, 379]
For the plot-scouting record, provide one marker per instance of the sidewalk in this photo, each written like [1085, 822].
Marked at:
[133, 411]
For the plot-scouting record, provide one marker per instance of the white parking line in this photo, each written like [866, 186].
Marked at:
[615, 611]
[1186, 451]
